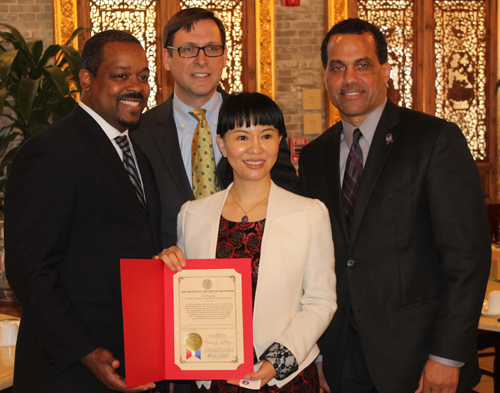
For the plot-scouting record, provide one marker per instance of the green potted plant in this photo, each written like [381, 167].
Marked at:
[37, 87]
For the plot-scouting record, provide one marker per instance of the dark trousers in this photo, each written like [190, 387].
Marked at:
[355, 375]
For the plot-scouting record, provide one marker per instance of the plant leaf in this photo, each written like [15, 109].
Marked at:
[39, 120]
[36, 49]
[7, 136]
[60, 79]
[7, 158]
[26, 95]
[78, 31]
[51, 51]
[3, 96]
[3, 184]
[16, 36]
[5, 131]
[6, 60]
[60, 107]
[57, 112]
[73, 58]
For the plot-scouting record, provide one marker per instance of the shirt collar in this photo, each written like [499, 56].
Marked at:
[368, 126]
[108, 129]
[182, 109]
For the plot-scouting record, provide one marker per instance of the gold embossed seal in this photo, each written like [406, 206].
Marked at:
[193, 341]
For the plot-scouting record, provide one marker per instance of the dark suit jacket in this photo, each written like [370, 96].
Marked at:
[415, 267]
[71, 213]
[157, 137]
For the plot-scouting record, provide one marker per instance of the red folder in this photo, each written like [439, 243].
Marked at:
[148, 323]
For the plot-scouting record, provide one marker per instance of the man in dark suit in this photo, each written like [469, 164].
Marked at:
[77, 201]
[195, 54]
[412, 248]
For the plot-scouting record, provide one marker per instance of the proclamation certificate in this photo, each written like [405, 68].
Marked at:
[208, 319]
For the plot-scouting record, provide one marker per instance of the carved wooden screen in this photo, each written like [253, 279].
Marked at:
[145, 19]
[443, 61]
[461, 49]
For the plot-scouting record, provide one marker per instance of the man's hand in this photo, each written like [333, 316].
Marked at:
[265, 373]
[437, 377]
[173, 257]
[323, 384]
[103, 365]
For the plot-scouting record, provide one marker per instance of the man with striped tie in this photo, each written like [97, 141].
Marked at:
[409, 224]
[80, 196]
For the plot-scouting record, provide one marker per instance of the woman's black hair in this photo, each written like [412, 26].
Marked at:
[243, 110]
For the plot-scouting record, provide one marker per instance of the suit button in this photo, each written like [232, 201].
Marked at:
[350, 262]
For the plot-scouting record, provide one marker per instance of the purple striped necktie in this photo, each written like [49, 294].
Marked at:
[131, 168]
[352, 177]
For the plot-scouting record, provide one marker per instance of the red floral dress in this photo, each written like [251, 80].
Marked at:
[243, 240]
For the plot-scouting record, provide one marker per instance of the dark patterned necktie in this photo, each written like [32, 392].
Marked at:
[352, 176]
[131, 168]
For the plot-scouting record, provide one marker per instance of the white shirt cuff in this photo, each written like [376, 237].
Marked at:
[446, 362]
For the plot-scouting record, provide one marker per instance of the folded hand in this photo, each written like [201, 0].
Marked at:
[173, 258]
[103, 365]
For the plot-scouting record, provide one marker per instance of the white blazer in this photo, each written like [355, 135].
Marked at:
[295, 297]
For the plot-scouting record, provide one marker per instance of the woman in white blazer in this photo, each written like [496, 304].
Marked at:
[287, 236]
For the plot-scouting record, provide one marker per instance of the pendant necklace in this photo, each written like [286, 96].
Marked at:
[245, 217]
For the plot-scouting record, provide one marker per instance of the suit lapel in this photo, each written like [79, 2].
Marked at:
[333, 170]
[151, 191]
[105, 147]
[379, 151]
[167, 140]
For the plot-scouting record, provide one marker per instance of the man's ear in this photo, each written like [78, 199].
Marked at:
[387, 71]
[85, 79]
[166, 59]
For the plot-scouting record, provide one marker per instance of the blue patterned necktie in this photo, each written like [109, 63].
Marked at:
[352, 177]
[131, 168]
[202, 157]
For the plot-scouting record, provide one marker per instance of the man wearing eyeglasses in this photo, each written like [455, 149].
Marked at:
[195, 53]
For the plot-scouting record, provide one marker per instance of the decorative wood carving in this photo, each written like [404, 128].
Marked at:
[65, 21]
[337, 11]
[265, 47]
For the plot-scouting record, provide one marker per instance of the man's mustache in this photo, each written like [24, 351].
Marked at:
[130, 95]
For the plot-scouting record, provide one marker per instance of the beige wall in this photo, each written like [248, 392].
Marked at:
[33, 18]
[299, 34]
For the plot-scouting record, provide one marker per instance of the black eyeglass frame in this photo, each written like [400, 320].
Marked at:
[197, 53]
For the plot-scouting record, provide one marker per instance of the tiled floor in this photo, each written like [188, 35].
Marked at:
[486, 384]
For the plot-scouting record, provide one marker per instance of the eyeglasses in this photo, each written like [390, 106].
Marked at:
[192, 51]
